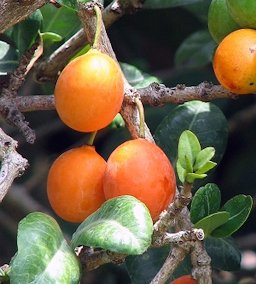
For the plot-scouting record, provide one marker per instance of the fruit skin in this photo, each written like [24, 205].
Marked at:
[89, 92]
[74, 184]
[141, 169]
[185, 279]
[220, 22]
[243, 12]
[234, 62]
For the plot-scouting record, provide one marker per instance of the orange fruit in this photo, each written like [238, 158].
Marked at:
[234, 62]
[74, 184]
[185, 279]
[141, 169]
[89, 92]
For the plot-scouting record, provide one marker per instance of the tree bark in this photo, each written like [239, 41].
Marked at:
[14, 11]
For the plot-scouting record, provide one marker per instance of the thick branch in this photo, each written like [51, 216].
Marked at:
[14, 11]
[13, 164]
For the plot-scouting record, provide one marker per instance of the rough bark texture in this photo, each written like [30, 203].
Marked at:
[14, 11]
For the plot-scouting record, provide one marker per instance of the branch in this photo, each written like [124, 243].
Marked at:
[13, 164]
[8, 109]
[14, 11]
[49, 69]
[175, 257]
[92, 258]
[158, 94]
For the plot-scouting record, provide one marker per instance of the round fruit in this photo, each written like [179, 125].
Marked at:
[220, 22]
[141, 169]
[234, 61]
[243, 12]
[89, 92]
[185, 279]
[74, 185]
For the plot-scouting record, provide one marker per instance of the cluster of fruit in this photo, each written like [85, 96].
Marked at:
[88, 94]
[232, 24]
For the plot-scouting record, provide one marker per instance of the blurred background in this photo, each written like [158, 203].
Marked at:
[158, 42]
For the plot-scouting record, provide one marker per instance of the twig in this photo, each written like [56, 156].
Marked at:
[13, 164]
[8, 109]
[93, 258]
[175, 257]
[48, 70]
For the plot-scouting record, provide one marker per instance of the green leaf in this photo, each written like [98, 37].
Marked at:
[181, 172]
[239, 208]
[43, 254]
[62, 21]
[8, 58]
[25, 33]
[191, 177]
[118, 122]
[122, 224]
[49, 38]
[212, 221]
[205, 201]
[203, 157]
[188, 149]
[205, 120]
[161, 4]
[195, 51]
[224, 253]
[206, 168]
[136, 77]
[69, 3]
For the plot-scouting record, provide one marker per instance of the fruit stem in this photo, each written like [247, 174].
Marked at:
[97, 35]
[91, 138]
[142, 116]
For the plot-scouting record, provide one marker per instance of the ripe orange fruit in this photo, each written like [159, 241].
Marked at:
[89, 92]
[74, 184]
[185, 279]
[141, 169]
[234, 61]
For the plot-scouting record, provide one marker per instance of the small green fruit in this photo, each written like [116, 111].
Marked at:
[243, 12]
[220, 22]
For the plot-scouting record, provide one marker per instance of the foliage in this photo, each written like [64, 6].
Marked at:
[193, 135]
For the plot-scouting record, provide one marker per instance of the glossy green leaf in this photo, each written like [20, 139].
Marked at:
[239, 208]
[160, 4]
[196, 50]
[43, 254]
[203, 157]
[205, 120]
[224, 253]
[206, 201]
[199, 9]
[62, 21]
[8, 58]
[122, 224]
[191, 177]
[212, 221]
[188, 149]
[136, 77]
[206, 168]
[25, 33]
